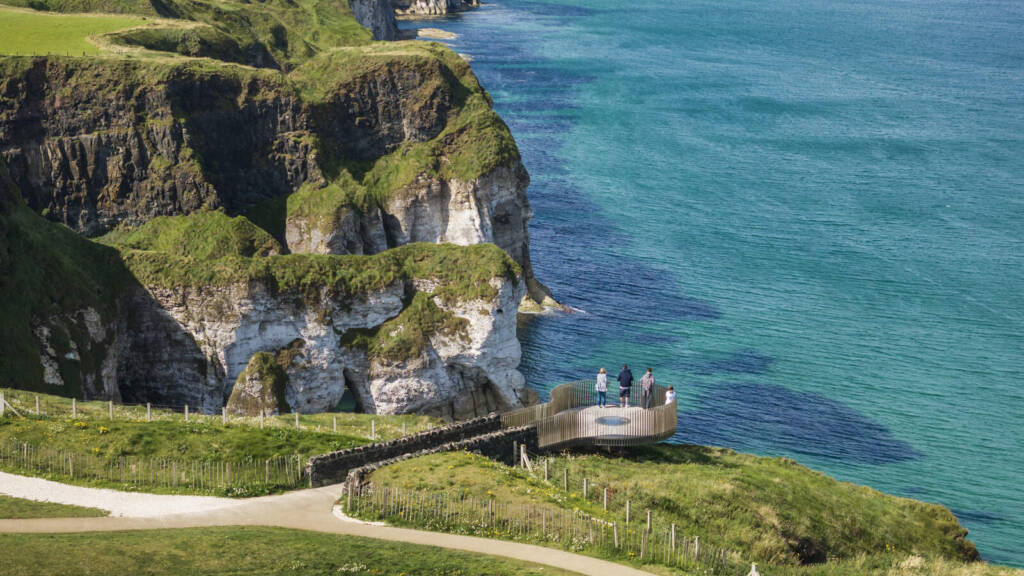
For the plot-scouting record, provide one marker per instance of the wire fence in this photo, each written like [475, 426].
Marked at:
[28, 404]
[246, 477]
[458, 513]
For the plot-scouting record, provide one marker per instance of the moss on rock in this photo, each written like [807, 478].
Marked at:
[260, 388]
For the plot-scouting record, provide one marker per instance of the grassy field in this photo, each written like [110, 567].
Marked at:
[16, 508]
[769, 510]
[241, 551]
[167, 436]
[26, 32]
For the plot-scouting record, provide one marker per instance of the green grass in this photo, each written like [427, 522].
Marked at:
[203, 235]
[49, 271]
[17, 508]
[407, 335]
[768, 510]
[462, 272]
[25, 32]
[254, 551]
[57, 410]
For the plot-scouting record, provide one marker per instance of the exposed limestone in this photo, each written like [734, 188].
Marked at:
[260, 388]
[376, 15]
[432, 7]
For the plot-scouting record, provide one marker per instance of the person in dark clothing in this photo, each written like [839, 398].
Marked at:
[625, 382]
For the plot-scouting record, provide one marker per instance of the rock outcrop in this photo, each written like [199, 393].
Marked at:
[378, 16]
[432, 7]
[96, 147]
[260, 388]
[192, 343]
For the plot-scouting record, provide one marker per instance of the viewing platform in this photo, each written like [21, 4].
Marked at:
[572, 418]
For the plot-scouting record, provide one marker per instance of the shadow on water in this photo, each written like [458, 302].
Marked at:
[769, 418]
[745, 361]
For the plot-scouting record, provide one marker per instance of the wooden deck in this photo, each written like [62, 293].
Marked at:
[571, 417]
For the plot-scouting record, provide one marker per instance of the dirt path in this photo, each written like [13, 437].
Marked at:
[302, 510]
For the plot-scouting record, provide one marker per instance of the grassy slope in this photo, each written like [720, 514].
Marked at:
[25, 32]
[16, 508]
[48, 270]
[763, 508]
[241, 551]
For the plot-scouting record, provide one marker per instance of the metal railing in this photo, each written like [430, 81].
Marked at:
[566, 420]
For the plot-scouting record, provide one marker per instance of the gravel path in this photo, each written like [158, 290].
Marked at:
[122, 504]
[310, 509]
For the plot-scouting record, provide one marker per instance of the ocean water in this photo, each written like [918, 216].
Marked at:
[807, 216]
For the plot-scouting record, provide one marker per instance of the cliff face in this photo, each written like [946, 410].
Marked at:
[377, 16]
[256, 216]
[413, 340]
[386, 143]
[432, 7]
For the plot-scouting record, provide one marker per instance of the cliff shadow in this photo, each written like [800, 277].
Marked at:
[160, 362]
[773, 419]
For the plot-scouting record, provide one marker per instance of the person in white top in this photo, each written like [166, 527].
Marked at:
[670, 396]
[602, 388]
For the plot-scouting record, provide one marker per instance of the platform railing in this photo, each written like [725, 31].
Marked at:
[562, 421]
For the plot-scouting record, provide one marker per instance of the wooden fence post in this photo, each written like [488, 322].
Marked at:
[546, 469]
[627, 511]
[149, 414]
[224, 415]
[585, 486]
[643, 543]
[186, 412]
[3, 404]
[515, 452]
[615, 533]
[37, 405]
[565, 478]
[110, 409]
[606, 498]
[373, 429]
[296, 420]
[261, 419]
[648, 520]
[74, 408]
[673, 537]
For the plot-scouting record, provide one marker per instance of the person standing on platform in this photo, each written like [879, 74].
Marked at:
[602, 388]
[625, 382]
[647, 387]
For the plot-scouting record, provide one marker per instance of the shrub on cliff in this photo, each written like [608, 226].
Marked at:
[260, 388]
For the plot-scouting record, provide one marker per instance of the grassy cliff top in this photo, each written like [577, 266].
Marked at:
[213, 249]
[770, 510]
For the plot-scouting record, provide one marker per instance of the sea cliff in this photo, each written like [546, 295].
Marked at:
[204, 178]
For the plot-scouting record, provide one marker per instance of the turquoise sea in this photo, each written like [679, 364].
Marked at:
[807, 216]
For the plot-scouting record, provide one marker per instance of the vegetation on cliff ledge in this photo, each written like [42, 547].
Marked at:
[768, 510]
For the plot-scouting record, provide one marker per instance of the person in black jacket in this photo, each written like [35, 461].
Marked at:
[625, 382]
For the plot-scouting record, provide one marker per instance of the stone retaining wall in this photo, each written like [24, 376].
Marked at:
[500, 446]
[333, 468]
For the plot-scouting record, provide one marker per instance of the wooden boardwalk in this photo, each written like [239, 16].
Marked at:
[572, 417]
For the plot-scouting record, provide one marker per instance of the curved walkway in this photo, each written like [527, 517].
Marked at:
[302, 510]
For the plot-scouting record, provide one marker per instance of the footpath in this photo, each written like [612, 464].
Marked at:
[310, 509]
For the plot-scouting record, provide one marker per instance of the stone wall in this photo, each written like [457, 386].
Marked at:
[501, 446]
[483, 435]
